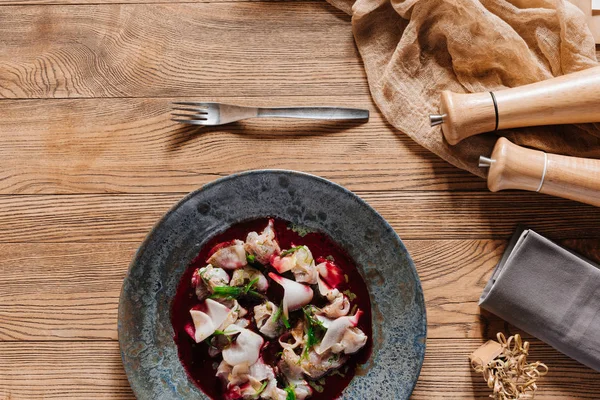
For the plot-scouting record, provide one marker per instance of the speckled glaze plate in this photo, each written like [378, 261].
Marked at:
[399, 322]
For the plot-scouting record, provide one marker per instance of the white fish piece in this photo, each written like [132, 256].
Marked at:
[290, 366]
[302, 389]
[297, 334]
[264, 316]
[231, 255]
[242, 322]
[353, 340]
[239, 374]
[272, 392]
[327, 291]
[236, 311]
[317, 365]
[338, 307]
[336, 330]
[245, 349]
[263, 246]
[223, 371]
[245, 275]
[295, 296]
[205, 279]
[206, 323]
[245, 381]
[301, 262]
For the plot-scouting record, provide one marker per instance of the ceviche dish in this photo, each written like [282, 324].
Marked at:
[269, 310]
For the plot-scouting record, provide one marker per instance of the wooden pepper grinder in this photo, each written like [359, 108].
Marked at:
[515, 167]
[567, 99]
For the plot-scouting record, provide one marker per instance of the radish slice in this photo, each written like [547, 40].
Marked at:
[245, 349]
[203, 325]
[331, 273]
[336, 330]
[206, 323]
[325, 290]
[264, 246]
[190, 330]
[295, 296]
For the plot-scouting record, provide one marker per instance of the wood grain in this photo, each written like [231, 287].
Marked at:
[70, 291]
[446, 373]
[132, 146]
[93, 370]
[62, 370]
[74, 2]
[61, 291]
[414, 215]
[89, 161]
[168, 50]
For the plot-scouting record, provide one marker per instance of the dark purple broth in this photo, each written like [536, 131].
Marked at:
[194, 357]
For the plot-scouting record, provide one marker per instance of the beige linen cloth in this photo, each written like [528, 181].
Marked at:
[414, 49]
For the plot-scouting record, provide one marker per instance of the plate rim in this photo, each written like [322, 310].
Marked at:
[144, 243]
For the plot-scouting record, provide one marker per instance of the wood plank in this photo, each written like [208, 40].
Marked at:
[62, 370]
[177, 50]
[93, 370]
[132, 146]
[446, 373]
[76, 287]
[59, 2]
[414, 215]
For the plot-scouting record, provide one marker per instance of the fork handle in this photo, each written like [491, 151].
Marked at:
[333, 113]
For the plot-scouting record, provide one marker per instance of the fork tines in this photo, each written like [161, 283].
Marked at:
[193, 113]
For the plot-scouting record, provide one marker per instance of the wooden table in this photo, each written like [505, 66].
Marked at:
[89, 161]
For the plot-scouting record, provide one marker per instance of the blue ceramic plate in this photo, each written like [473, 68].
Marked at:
[399, 323]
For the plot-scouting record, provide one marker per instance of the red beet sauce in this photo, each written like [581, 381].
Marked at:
[201, 368]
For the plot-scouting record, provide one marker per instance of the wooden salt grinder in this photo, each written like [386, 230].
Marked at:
[515, 167]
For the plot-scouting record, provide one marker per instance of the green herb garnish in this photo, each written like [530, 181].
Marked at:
[300, 230]
[233, 292]
[251, 258]
[290, 251]
[291, 393]
[337, 372]
[316, 386]
[280, 315]
[285, 321]
[312, 326]
[351, 296]
[261, 389]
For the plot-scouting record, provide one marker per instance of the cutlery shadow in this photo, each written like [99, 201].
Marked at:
[262, 129]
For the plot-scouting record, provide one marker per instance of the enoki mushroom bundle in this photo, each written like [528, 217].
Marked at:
[505, 368]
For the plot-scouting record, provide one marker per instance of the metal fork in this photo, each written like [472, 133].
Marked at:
[210, 114]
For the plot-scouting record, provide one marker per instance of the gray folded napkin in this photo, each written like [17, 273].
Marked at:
[550, 293]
